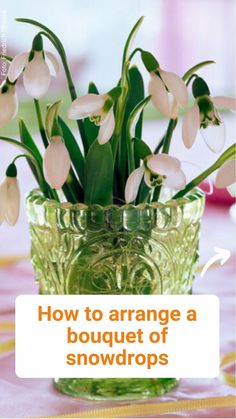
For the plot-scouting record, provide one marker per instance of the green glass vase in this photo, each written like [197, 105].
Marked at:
[144, 249]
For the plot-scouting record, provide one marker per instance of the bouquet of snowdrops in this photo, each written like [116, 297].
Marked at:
[115, 165]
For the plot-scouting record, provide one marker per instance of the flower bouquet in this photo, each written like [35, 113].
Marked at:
[110, 215]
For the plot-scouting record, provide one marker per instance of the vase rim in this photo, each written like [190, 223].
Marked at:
[36, 197]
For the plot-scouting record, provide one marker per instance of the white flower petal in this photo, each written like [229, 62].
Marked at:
[13, 201]
[176, 86]
[159, 95]
[56, 163]
[224, 102]
[36, 77]
[214, 137]
[173, 106]
[17, 66]
[52, 63]
[176, 180]
[107, 128]
[226, 175]
[232, 189]
[133, 183]
[3, 199]
[85, 106]
[190, 125]
[163, 164]
[8, 106]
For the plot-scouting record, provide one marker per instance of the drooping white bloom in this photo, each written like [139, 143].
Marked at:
[158, 169]
[37, 68]
[203, 114]
[226, 177]
[99, 108]
[9, 200]
[8, 103]
[56, 163]
[168, 92]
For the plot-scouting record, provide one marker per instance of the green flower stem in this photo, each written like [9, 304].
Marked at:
[134, 52]
[18, 157]
[42, 183]
[130, 155]
[61, 51]
[165, 149]
[229, 154]
[117, 146]
[195, 68]
[28, 154]
[156, 194]
[193, 76]
[40, 123]
[120, 112]
[168, 135]
[159, 145]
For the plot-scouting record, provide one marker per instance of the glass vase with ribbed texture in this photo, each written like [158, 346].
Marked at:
[143, 249]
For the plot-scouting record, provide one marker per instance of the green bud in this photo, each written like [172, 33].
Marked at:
[5, 87]
[200, 88]
[56, 130]
[149, 61]
[11, 170]
[37, 44]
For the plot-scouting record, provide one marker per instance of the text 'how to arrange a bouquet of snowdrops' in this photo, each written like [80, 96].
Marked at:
[117, 336]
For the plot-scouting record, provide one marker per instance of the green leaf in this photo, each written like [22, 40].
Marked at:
[135, 96]
[115, 92]
[131, 124]
[141, 149]
[130, 39]
[93, 88]
[99, 175]
[91, 129]
[76, 156]
[26, 139]
[143, 193]
[196, 68]
[135, 114]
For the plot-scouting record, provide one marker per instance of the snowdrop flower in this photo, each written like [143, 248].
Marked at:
[10, 197]
[56, 162]
[204, 115]
[158, 169]
[226, 177]
[99, 108]
[8, 102]
[168, 91]
[37, 67]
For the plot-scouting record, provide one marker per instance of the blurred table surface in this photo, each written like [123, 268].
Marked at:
[21, 398]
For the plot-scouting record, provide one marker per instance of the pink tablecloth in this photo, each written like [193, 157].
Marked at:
[22, 398]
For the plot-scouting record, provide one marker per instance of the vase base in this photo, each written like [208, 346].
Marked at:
[115, 388]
